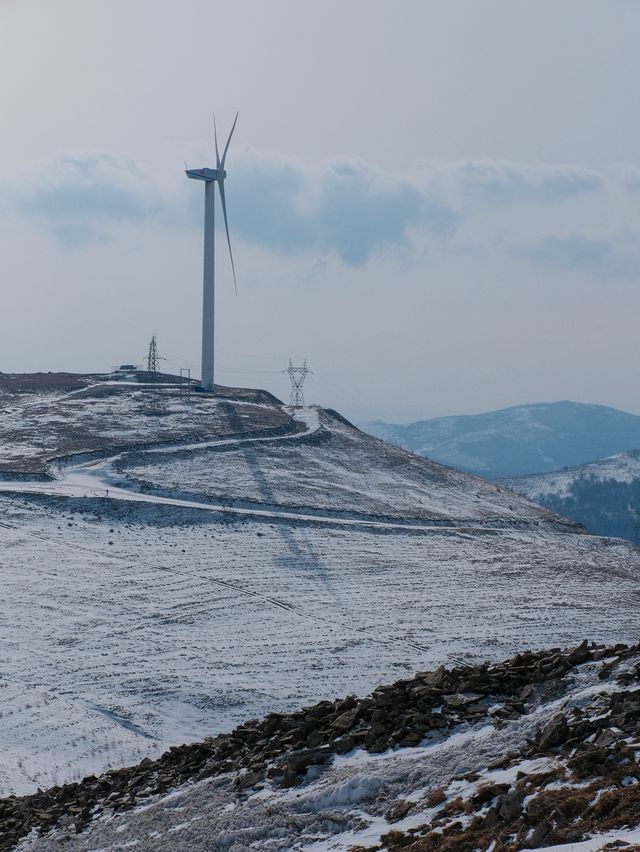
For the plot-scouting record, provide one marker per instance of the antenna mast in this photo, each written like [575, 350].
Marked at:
[297, 376]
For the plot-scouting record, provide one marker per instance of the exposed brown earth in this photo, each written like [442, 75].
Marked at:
[44, 416]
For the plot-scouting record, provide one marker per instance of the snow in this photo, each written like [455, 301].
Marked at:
[629, 836]
[224, 578]
[37, 427]
[153, 628]
[343, 807]
[124, 620]
[622, 467]
[332, 473]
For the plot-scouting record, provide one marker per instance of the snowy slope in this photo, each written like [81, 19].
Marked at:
[518, 441]
[331, 468]
[599, 495]
[542, 752]
[330, 563]
[622, 467]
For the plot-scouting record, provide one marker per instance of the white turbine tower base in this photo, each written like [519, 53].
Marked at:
[211, 177]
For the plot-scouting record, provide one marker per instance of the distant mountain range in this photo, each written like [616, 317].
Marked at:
[518, 441]
[603, 495]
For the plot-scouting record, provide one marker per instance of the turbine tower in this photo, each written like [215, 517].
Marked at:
[210, 178]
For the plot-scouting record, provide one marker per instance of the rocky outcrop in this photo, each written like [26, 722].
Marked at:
[591, 786]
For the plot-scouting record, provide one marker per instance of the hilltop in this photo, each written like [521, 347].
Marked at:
[44, 416]
[518, 441]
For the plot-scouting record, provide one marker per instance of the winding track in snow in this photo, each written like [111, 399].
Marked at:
[93, 479]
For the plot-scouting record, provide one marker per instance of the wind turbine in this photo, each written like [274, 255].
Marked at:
[210, 178]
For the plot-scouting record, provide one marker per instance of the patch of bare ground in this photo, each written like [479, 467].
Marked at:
[16, 383]
[45, 416]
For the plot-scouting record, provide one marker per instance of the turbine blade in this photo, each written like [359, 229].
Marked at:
[215, 136]
[226, 147]
[226, 227]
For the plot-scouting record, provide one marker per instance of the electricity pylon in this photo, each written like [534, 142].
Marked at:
[297, 376]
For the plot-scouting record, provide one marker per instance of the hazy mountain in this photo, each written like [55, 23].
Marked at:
[517, 441]
[598, 495]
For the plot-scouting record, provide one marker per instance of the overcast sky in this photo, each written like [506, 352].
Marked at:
[436, 202]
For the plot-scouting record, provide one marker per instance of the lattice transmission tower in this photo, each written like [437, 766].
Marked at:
[297, 376]
[185, 383]
[153, 362]
[153, 358]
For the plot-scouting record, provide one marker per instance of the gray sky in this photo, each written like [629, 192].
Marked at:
[436, 202]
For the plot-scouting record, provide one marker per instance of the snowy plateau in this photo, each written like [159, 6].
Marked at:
[170, 571]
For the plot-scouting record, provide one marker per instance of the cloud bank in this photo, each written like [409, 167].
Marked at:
[348, 209]
[615, 255]
[80, 197]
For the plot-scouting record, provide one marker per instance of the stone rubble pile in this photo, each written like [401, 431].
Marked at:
[592, 785]
[283, 746]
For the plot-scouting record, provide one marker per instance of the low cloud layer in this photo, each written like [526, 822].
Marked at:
[504, 182]
[614, 255]
[348, 209]
[79, 198]
[344, 207]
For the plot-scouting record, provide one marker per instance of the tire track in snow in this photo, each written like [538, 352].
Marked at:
[83, 479]
[270, 601]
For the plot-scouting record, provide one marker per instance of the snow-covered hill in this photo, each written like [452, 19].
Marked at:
[332, 467]
[603, 495]
[268, 561]
[518, 441]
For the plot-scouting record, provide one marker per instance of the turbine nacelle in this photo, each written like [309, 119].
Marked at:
[206, 174]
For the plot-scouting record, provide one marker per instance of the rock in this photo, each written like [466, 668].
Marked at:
[436, 678]
[398, 810]
[591, 762]
[459, 700]
[508, 806]
[607, 668]
[580, 654]
[491, 818]
[499, 762]
[249, 779]
[411, 739]
[342, 745]
[488, 793]
[346, 720]
[554, 733]
[316, 738]
[289, 778]
[539, 834]
[606, 738]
